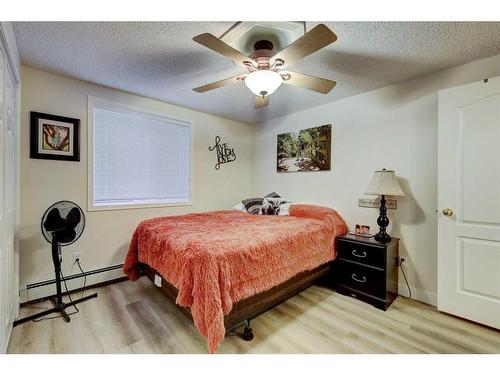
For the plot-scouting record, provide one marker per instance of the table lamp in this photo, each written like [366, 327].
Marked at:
[384, 183]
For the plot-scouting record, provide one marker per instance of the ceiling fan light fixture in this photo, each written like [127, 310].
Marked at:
[263, 82]
[266, 66]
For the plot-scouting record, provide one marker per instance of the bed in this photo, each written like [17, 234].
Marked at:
[226, 267]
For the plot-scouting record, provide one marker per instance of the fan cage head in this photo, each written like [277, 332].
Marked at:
[64, 207]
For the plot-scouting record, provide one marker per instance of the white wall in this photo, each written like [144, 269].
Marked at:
[107, 233]
[395, 128]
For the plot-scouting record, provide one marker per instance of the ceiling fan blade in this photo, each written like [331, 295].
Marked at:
[313, 83]
[217, 84]
[310, 42]
[261, 101]
[217, 45]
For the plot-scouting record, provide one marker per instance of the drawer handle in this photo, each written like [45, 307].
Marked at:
[354, 277]
[357, 254]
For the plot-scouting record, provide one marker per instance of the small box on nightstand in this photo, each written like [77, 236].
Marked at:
[367, 270]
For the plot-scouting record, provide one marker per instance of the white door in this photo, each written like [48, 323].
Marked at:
[10, 189]
[8, 199]
[469, 202]
[3, 221]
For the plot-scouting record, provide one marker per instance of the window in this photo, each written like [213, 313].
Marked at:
[137, 158]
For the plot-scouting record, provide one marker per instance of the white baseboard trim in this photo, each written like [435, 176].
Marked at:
[418, 294]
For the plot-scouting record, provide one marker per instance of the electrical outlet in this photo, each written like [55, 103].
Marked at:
[403, 262]
[77, 257]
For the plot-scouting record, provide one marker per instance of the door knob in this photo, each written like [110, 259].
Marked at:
[447, 212]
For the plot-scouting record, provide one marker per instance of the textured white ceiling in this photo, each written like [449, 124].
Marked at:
[160, 60]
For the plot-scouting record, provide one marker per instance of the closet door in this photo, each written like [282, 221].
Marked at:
[10, 153]
[8, 199]
[3, 230]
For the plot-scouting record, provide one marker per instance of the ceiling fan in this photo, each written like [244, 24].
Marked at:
[267, 68]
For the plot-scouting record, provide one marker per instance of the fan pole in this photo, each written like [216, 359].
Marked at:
[57, 269]
[58, 302]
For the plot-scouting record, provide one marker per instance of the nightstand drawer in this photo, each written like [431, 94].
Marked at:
[365, 279]
[379, 303]
[366, 254]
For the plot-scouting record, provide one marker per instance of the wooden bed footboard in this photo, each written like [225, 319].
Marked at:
[252, 306]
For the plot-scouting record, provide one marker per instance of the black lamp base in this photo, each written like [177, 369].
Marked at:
[383, 222]
[382, 237]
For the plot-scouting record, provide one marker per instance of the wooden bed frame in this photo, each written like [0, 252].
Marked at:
[249, 308]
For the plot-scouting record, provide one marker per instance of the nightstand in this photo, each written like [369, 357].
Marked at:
[367, 270]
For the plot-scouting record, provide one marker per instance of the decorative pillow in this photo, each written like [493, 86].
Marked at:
[275, 206]
[253, 205]
[240, 207]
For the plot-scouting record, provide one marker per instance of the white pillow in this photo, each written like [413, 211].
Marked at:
[240, 207]
[275, 206]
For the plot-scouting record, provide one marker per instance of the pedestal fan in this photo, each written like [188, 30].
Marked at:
[62, 224]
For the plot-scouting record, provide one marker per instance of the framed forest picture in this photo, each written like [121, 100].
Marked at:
[54, 137]
[305, 150]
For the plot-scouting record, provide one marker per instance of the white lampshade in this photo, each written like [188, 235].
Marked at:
[263, 82]
[384, 182]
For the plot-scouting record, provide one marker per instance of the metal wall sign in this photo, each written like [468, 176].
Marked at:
[224, 154]
[375, 203]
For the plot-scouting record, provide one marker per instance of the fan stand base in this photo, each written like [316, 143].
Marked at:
[57, 308]
[59, 305]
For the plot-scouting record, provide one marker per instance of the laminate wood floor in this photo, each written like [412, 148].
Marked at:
[134, 317]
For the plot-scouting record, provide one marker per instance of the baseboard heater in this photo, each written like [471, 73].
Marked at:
[75, 276]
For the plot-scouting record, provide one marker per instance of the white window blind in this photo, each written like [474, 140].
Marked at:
[139, 159]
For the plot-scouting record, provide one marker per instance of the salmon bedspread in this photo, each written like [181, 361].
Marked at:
[217, 258]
